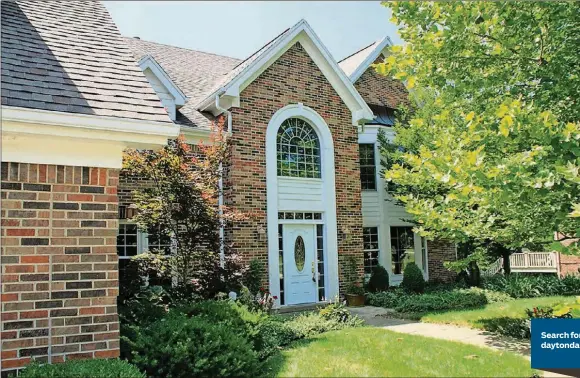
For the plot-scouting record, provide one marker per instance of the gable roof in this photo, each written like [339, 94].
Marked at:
[194, 72]
[356, 64]
[230, 87]
[69, 57]
[149, 62]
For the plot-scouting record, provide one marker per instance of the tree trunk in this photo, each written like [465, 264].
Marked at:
[505, 253]
[474, 274]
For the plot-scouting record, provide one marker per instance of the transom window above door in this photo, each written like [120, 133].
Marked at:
[298, 149]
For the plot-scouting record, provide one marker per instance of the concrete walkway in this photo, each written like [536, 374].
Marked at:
[383, 318]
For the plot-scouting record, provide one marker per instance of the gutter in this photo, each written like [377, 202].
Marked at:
[221, 186]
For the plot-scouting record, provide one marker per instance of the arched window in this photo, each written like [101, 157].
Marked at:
[298, 149]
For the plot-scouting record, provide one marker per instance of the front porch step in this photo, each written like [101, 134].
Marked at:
[300, 308]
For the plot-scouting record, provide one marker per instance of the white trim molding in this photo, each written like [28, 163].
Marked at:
[229, 93]
[48, 137]
[329, 197]
[149, 62]
[381, 47]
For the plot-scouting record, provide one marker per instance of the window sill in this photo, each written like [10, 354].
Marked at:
[300, 178]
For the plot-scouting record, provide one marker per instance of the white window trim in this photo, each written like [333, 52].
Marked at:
[379, 244]
[142, 242]
[377, 165]
[329, 188]
[417, 250]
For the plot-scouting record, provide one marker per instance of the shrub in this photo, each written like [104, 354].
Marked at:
[379, 280]
[265, 333]
[83, 368]
[254, 276]
[272, 335]
[182, 346]
[413, 280]
[431, 287]
[387, 299]
[520, 327]
[336, 312]
[530, 286]
[326, 319]
[444, 300]
[571, 285]
[513, 327]
[490, 295]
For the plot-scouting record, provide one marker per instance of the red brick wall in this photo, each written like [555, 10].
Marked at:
[293, 78]
[569, 265]
[380, 90]
[59, 263]
[440, 251]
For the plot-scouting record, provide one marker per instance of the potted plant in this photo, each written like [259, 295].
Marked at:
[355, 293]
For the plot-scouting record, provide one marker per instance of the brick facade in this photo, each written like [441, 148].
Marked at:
[438, 252]
[293, 78]
[59, 263]
[569, 265]
[381, 90]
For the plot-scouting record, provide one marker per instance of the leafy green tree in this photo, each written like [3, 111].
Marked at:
[181, 200]
[490, 153]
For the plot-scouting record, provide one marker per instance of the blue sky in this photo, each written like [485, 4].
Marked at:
[238, 29]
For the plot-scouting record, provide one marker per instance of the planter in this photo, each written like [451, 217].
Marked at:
[355, 300]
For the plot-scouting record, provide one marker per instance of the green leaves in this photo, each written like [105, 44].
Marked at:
[492, 152]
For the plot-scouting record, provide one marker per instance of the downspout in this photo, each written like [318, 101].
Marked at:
[221, 186]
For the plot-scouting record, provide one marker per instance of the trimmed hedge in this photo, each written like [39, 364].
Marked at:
[453, 300]
[379, 280]
[413, 279]
[83, 368]
[435, 301]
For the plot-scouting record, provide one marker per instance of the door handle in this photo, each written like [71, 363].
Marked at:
[313, 277]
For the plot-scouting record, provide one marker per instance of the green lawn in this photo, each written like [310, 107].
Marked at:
[363, 352]
[472, 318]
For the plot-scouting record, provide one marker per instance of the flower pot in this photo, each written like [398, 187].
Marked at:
[355, 300]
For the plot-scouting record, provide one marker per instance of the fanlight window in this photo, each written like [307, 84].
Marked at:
[298, 149]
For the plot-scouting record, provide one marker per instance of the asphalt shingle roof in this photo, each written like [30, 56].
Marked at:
[196, 73]
[68, 56]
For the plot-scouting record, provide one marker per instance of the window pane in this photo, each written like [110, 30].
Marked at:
[298, 150]
[402, 248]
[370, 249]
[367, 166]
[158, 240]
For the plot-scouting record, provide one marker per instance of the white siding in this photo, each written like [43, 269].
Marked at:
[164, 95]
[395, 215]
[379, 210]
[371, 208]
[300, 194]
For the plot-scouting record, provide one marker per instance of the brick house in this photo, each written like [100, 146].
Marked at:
[305, 161]
[72, 101]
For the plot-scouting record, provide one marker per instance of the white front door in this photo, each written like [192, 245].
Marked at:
[300, 284]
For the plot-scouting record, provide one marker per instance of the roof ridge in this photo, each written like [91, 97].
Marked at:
[179, 47]
[260, 49]
[356, 52]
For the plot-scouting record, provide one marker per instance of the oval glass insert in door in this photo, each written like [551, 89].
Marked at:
[299, 253]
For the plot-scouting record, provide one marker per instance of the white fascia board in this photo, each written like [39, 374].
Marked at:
[149, 62]
[88, 125]
[384, 44]
[301, 32]
[195, 136]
